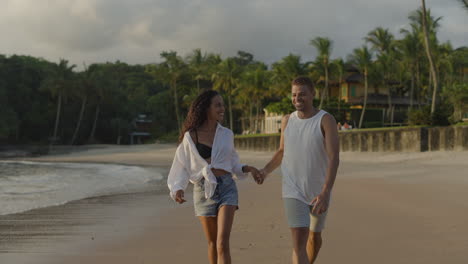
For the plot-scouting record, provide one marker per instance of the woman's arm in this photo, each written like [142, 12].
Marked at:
[178, 177]
[242, 170]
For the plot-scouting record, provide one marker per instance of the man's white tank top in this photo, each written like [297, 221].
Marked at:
[305, 160]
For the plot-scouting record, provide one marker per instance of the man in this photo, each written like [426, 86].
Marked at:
[309, 158]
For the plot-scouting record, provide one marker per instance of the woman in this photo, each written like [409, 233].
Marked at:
[206, 157]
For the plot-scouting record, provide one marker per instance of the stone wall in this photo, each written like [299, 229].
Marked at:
[447, 138]
[385, 140]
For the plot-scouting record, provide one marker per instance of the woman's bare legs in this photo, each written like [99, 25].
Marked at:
[217, 232]
[225, 220]
[210, 227]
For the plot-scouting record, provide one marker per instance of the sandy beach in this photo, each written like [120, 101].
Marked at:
[386, 208]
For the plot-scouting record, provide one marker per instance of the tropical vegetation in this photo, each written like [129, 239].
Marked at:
[60, 103]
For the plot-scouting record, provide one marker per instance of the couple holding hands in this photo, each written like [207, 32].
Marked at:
[309, 159]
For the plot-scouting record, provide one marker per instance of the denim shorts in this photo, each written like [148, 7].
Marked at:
[225, 194]
[299, 214]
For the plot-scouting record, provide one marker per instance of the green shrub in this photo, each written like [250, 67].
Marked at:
[171, 137]
[441, 116]
[372, 124]
[423, 116]
[420, 117]
[282, 107]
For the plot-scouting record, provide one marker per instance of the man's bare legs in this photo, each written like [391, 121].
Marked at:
[299, 239]
[314, 243]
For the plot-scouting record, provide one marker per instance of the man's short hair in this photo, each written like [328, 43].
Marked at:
[302, 80]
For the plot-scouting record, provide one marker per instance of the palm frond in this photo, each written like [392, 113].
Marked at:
[464, 3]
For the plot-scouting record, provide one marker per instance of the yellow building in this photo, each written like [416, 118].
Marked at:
[352, 90]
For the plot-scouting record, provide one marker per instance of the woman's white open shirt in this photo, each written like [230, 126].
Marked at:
[188, 165]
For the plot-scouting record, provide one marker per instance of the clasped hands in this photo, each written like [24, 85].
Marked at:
[258, 175]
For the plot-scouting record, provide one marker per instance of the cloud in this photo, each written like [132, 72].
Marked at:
[137, 31]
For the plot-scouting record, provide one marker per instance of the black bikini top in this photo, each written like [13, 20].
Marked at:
[204, 150]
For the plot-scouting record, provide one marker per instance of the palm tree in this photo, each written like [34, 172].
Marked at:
[283, 72]
[324, 47]
[422, 18]
[416, 53]
[338, 65]
[225, 79]
[252, 89]
[363, 59]
[381, 39]
[59, 85]
[84, 87]
[197, 65]
[409, 48]
[382, 42]
[445, 63]
[212, 63]
[429, 57]
[464, 3]
[457, 95]
[460, 62]
[172, 70]
[107, 78]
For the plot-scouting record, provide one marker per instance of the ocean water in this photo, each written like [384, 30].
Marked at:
[29, 185]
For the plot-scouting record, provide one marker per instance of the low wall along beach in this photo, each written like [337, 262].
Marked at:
[417, 139]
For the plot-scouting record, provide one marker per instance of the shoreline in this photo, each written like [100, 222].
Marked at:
[386, 208]
[46, 235]
[48, 182]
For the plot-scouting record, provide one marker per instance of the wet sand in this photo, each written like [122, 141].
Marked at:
[386, 208]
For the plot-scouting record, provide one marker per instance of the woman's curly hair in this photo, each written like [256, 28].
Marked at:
[198, 112]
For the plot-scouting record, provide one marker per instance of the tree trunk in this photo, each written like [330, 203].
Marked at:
[17, 131]
[257, 119]
[464, 79]
[231, 123]
[390, 105]
[339, 97]
[392, 115]
[389, 98]
[412, 89]
[251, 121]
[93, 129]
[243, 125]
[322, 92]
[365, 99]
[429, 57]
[418, 84]
[326, 82]
[325, 89]
[57, 118]
[176, 105]
[429, 85]
[80, 118]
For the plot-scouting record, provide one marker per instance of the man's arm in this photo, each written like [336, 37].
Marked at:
[332, 147]
[278, 156]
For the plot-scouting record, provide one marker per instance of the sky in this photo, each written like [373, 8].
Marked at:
[137, 31]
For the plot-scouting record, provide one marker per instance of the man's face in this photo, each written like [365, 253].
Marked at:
[302, 97]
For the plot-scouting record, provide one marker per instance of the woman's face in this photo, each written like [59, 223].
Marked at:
[216, 109]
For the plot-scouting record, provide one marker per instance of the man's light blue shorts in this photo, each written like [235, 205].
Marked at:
[299, 214]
